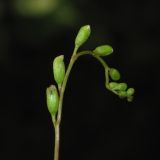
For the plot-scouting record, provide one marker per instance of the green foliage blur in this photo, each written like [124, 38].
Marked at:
[32, 22]
[61, 11]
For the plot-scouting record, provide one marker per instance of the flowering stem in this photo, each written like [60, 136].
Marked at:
[57, 121]
[55, 98]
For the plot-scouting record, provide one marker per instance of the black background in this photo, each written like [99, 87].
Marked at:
[96, 124]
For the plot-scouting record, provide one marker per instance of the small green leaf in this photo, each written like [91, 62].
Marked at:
[52, 99]
[103, 50]
[82, 35]
[59, 69]
[114, 74]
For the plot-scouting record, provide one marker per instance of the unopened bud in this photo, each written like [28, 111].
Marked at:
[52, 99]
[82, 35]
[59, 69]
[114, 74]
[113, 85]
[118, 86]
[122, 86]
[130, 91]
[130, 98]
[122, 94]
[103, 50]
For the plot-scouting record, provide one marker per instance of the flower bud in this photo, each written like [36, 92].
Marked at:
[122, 86]
[113, 85]
[52, 99]
[130, 98]
[59, 69]
[114, 74]
[118, 86]
[103, 50]
[130, 92]
[82, 35]
[122, 94]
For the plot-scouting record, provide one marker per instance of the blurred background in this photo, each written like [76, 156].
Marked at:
[96, 124]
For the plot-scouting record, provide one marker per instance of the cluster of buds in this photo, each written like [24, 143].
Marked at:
[52, 92]
[120, 89]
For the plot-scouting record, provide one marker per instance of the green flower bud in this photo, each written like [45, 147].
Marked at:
[82, 35]
[118, 86]
[103, 50]
[130, 92]
[113, 85]
[114, 74]
[122, 86]
[59, 69]
[122, 94]
[52, 99]
[130, 98]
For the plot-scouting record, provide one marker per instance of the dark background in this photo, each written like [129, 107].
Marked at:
[96, 124]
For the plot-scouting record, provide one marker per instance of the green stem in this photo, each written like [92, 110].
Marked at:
[62, 88]
[56, 142]
[56, 139]
[104, 64]
[59, 115]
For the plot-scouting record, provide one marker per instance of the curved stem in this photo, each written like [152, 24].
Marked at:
[72, 61]
[62, 88]
[104, 64]
[92, 54]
